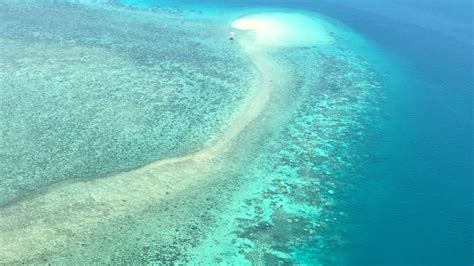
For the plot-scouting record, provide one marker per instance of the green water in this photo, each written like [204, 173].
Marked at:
[109, 88]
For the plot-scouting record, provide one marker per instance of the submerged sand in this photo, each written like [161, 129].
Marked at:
[44, 224]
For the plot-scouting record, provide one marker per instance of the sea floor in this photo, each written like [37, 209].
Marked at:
[147, 136]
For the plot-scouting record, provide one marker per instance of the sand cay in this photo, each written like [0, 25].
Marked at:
[285, 29]
[43, 224]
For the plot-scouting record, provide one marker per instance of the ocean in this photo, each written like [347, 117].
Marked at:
[162, 132]
[420, 209]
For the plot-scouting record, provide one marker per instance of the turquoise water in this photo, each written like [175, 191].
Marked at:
[420, 203]
[96, 92]
[347, 153]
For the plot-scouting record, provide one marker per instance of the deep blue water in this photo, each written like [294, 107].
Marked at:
[417, 207]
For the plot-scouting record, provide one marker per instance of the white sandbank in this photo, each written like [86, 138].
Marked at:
[285, 29]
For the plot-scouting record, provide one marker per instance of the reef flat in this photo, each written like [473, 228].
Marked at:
[88, 91]
[262, 183]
